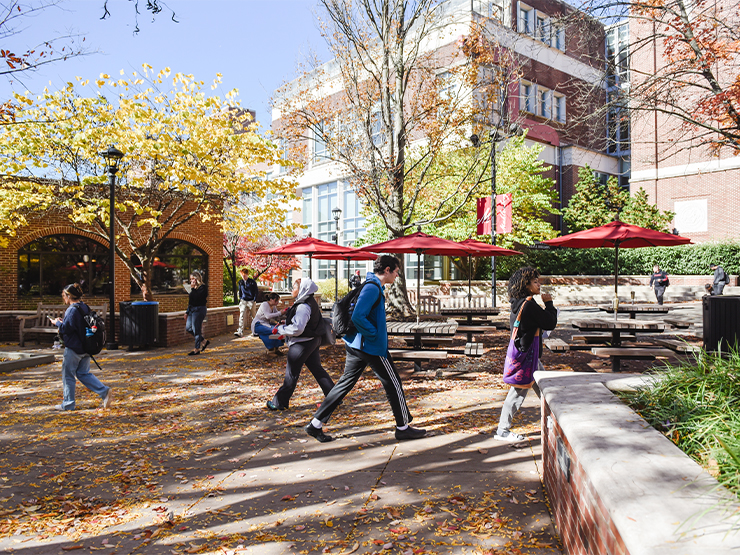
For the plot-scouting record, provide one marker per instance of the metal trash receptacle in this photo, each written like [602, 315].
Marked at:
[721, 319]
[139, 324]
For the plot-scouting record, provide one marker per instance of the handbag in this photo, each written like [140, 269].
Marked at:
[328, 337]
[520, 365]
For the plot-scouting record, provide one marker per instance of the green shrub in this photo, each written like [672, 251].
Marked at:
[326, 288]
[695, 406]
[681, 260]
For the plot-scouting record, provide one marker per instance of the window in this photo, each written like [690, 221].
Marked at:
[326, 201]
[526, 16]
[543, 102]
[542, 30]
[307, 220]
[173, 263]
[558, 104]
[353, 226]
[376, 130]
[527, 97]
[558, 38]
[488, 8]
[320, 149]
[48, 264]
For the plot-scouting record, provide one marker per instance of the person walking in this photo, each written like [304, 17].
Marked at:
[248, 292]
[659, 281]
[196, 312]
[75, 361]
[530, 319]
[720, 279]
[263, 321]
[368, 346]
[355, 281]
[303, 328]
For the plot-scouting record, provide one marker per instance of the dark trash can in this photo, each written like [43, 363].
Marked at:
[139, 324]
[721, 315]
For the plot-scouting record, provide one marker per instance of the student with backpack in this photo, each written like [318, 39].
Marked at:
[366, 343]
[76, 360]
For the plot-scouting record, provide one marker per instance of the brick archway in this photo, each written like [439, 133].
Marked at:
[55, 230]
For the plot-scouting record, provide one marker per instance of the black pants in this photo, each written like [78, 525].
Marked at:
[354, 366]
[659, 292]
[305, 352]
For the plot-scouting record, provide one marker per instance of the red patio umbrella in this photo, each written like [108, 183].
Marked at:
[483, 249]
[308, 246]
[420, 243]
[356, 254]
[618, 235]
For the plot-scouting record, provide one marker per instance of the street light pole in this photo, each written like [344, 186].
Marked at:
[337, 213]
[112, 157]
[495, 137]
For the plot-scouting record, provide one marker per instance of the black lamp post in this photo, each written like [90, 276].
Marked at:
[496, 137]
[336, 213]
[112, 157]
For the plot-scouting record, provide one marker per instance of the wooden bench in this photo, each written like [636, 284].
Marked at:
[675, 345]
[474, 349]
[431, 341]
[557, 345]
[417, 356]
[41, 324]
[617, 354]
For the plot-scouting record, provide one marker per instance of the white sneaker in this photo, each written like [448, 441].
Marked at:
[511, 437]
[108, 398]
[238, 333]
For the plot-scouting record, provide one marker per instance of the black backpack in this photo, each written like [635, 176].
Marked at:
[341, 313]
[94, 338]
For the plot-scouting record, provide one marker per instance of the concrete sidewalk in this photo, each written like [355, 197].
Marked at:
[188, 460]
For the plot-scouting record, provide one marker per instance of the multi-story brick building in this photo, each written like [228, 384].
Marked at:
[679, 174]
[545, 98]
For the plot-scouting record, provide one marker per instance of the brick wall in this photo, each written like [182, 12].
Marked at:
[207, 236]
[584, 524]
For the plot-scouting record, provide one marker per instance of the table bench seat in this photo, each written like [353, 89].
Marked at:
[675, 345]
[431, 341]
[474, 349]
[617, 354]
[409, 354]
[678, 323]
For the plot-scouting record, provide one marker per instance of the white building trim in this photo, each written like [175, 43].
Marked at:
[685, 170]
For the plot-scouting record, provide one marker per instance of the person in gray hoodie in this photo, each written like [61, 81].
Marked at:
[303, 329]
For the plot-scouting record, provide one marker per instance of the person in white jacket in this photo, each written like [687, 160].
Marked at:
[303, 329]
[262, 323]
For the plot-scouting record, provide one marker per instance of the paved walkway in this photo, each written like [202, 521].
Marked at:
[188, 460]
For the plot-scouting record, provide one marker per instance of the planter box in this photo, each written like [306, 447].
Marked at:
[14, 361]
[617, 485]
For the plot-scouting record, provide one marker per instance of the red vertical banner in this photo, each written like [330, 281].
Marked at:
[503, 214]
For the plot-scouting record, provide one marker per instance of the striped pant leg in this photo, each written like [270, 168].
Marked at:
[388, 376]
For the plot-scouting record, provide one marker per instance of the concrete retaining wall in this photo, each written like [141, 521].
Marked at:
[619, 487]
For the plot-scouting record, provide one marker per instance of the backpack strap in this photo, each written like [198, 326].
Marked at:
[380, 293]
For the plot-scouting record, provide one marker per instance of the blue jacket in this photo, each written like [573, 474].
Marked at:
[72, 328]
[248, 290]
[372, 333]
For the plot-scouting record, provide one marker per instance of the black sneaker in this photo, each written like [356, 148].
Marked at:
[273, 406]
[410, 433]
[318, 433]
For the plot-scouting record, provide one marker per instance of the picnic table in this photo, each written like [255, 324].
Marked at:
[618, 327]
[470, 312]
[634, 309]
[420, 331]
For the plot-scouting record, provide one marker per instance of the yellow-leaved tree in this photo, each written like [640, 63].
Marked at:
[187, 155]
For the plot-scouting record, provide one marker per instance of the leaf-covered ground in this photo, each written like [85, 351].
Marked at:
[188, 460]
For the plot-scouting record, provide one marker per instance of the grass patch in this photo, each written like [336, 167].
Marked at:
[697, 406]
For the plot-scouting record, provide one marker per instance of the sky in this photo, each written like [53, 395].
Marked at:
[255, 44]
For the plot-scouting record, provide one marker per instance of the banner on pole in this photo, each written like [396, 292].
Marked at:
[503, 214]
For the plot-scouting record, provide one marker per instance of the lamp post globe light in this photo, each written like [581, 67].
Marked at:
[112, 157]
[336, 214]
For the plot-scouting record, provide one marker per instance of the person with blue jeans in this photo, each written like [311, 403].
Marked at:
[368, 346]
[262, 324]
[196, 312]
[248, 293]
[75, 361]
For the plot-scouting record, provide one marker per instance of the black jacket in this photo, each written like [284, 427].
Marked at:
[315, 325]
[658, 278]
[198, 296]
[533, 317]
[72, 329]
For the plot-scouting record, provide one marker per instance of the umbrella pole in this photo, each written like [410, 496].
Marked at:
[310, 259]
[615, 304]
[418, 285]
[470, 280]
[349, 287]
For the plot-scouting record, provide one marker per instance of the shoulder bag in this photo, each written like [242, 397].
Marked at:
[520, 365]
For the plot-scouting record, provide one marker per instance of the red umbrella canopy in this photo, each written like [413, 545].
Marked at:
[486, 249]
[308, 246]
[420, 243]
[355, 254]
[617, 234]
